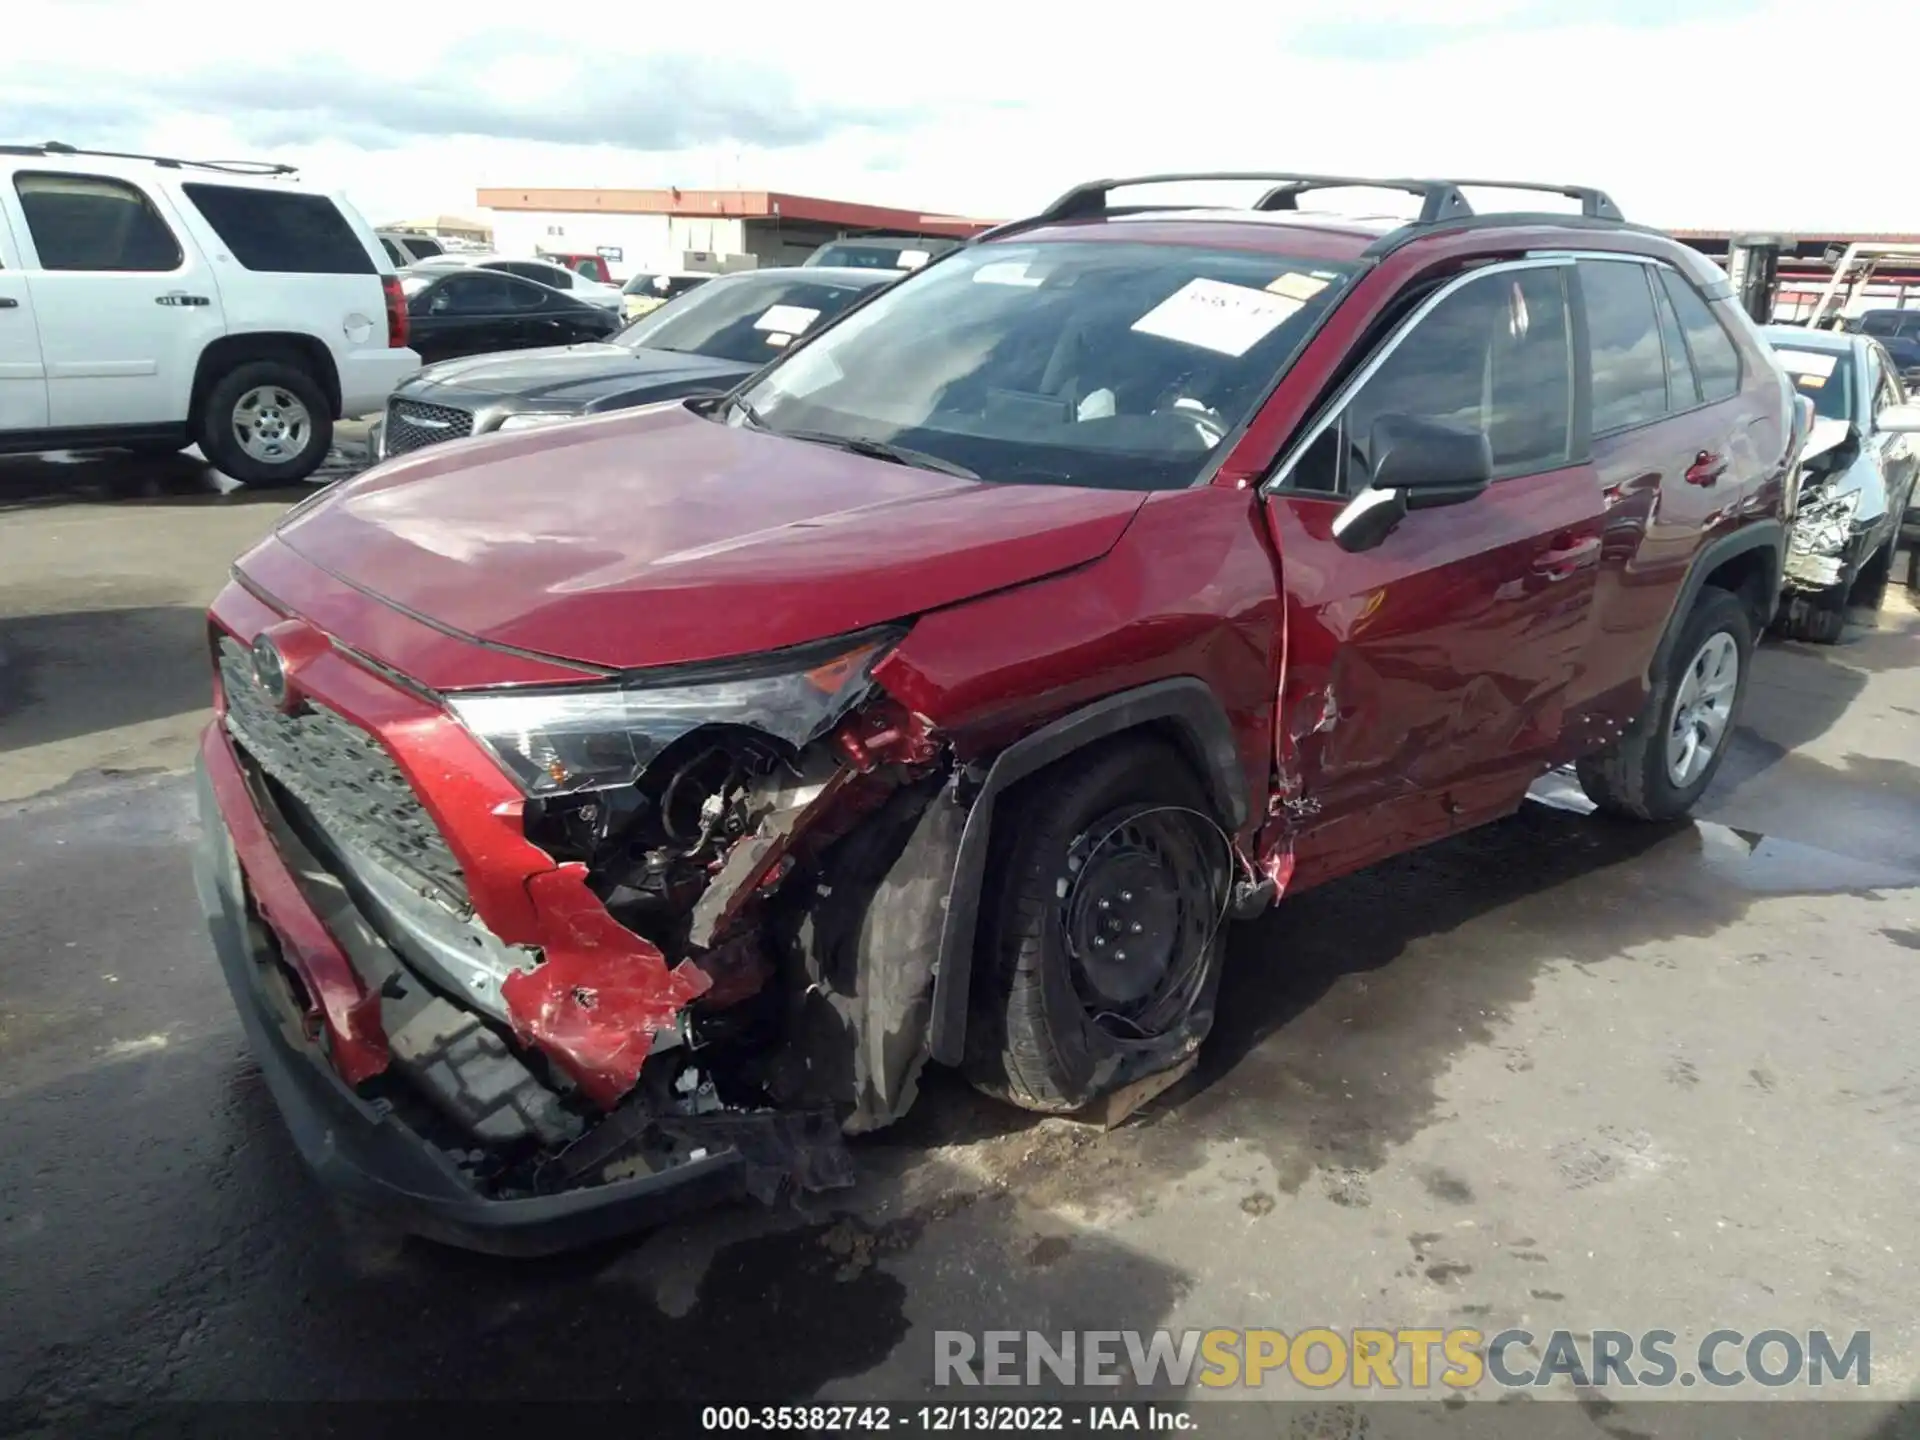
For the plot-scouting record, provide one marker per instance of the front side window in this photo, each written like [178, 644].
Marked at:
[1102, 363]
[476, 294]
[286, 232]
[88, 222]
[1629, 370]
[1887, 390]
[747, 318]
[1494, 358]
[1716, 362]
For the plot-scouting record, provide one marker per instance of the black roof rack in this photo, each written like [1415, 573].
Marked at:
[231, 167]
[1440, 200]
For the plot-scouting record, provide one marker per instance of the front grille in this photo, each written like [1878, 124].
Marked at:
[344, 777]
[413, 426]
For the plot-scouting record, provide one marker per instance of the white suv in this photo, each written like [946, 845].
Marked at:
[149, 304]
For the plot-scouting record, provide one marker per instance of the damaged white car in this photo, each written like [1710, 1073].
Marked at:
[1857, 477]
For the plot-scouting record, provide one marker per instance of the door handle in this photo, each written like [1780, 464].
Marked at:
[1566, 557]
[7, 302]
[1707, 468]
[180, 297]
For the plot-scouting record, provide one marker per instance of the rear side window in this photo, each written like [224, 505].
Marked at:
[1629, 370]
[1715, 360]
[88, 222]
[424, 247]
[1683, 391]
[393, 252]
[551, 275]
[286, 232]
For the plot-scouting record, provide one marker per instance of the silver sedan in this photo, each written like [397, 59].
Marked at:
[1857, 478]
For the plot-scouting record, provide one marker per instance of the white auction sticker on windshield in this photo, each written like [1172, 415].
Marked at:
[1807, 362]
[791, 319]
[913, 259]
[1005, 272]
[1227, 319]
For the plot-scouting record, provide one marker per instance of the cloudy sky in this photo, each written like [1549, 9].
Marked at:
[1691, 112]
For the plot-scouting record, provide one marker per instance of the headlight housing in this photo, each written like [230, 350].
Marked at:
[527, 419]
[560, 742]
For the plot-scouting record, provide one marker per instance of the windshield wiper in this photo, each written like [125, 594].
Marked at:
[881, 450]
[744, 408]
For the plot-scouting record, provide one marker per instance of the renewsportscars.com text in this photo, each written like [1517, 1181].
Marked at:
[1381, 1359]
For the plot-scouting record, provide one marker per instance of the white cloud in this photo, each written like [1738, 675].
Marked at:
[990, 108]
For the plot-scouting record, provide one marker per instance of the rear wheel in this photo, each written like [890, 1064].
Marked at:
[1103, 929]
[1660, 767]
[267, 423]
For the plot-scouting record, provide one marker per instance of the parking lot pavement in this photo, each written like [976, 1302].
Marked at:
[1557, 1073]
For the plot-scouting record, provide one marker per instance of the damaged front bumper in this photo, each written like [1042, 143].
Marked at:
[461, 1026]
[362, 1147]
[1829, 541]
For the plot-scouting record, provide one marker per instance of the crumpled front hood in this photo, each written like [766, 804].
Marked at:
[656, 537]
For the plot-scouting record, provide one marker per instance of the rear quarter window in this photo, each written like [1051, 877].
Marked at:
[1716, 361]
[287, 232]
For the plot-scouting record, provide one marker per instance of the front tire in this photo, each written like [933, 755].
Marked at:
[1666, 759]
[266, 423]
[1112, 849]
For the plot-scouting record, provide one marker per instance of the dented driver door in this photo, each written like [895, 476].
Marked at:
[1426, 677]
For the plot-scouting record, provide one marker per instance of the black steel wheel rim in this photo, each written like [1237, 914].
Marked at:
[1140, 905]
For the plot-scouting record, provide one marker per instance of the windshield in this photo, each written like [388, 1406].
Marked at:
[1824, 377]
[1108, 364]
[748, 318]
[1881, 322]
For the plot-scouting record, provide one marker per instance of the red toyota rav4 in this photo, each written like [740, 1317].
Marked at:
[604, 819]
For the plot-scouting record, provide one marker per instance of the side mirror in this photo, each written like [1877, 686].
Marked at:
[1417, 465]
[1899, 420]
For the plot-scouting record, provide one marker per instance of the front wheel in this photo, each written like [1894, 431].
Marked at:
[266, 423]
[1102, 929]
[1666, 759]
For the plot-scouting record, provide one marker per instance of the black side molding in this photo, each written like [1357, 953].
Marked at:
[1185, 706]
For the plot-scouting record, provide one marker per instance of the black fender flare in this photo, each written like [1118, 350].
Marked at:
[1768, 535]
[1185, 706]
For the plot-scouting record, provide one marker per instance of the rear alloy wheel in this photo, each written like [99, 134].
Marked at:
[266, 423]
[1703, 710]
[1666, 759]
[1102, 929]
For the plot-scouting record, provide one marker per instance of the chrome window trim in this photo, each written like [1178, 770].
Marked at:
[1277, 479]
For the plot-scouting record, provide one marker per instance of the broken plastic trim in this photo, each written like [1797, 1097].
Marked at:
[565, 740]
